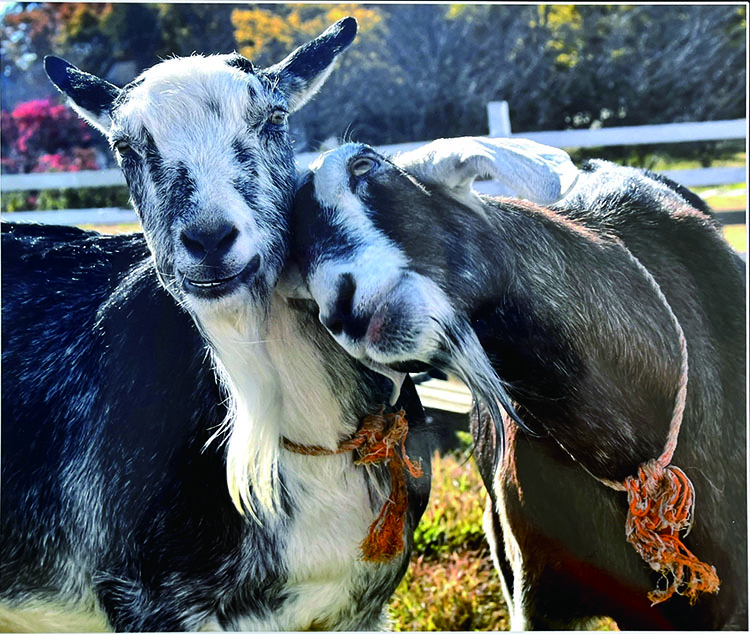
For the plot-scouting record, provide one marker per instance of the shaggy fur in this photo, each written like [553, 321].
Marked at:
[147, 383]
[582, 343]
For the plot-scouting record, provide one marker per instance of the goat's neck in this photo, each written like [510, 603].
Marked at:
[279, 383]
[285, 369]
[577, 330]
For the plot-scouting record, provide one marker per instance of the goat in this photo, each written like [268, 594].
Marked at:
[570, 316]
[149, 380]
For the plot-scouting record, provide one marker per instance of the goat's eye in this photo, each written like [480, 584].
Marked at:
[278, 117]
[362, 165]
[123, 147]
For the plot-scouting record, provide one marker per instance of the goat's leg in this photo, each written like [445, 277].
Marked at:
[493, 531]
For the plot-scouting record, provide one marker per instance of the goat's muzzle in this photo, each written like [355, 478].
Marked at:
[215, 259]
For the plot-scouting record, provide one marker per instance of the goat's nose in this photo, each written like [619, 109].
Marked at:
[215, 239]
[343, 306]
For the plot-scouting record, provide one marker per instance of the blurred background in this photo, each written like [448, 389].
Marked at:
[416, 72]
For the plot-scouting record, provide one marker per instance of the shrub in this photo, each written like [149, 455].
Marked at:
[69, 198]
[42, 136]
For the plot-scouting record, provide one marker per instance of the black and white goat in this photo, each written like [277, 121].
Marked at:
[570, 316]
[138, 491]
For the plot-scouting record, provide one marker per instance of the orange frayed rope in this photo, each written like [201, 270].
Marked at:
[660, 503]
[380, 439]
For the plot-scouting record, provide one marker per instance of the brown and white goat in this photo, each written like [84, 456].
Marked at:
[569, 315]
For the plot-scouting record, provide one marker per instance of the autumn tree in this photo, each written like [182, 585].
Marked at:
[422, 71]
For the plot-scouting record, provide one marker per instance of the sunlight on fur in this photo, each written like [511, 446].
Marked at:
[254, 406]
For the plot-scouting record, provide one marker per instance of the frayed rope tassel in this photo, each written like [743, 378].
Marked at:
[381, 439]
[660, 506]
[385, 441]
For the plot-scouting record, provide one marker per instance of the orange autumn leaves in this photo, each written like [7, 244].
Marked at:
[276, 31]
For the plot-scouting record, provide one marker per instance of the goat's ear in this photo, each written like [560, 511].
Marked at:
[304, 71]
[90, 96]
[536, 172]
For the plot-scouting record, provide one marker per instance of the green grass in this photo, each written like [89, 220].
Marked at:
[736, 235]
[725, 202]
[735, 189]
[123, 228]
[661, 163]
[451, 584]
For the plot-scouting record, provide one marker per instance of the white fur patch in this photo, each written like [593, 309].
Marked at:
[196, 109]
[281, 389]
[539, 173]
[379, 268]
[40, 616]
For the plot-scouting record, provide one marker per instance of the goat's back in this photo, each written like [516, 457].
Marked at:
[703, 279]
[104, 424]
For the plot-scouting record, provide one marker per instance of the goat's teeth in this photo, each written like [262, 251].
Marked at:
[205, 284]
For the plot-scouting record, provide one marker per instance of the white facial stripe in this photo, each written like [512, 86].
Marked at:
[201, 113]
[183, 88]
[384, 285]
[374, 257]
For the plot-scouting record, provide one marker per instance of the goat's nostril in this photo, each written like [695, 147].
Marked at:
[346, 290]
[225, 243]
[333, 324]
[193, 246]
[343, 309]
[215, 239]
[253, 265]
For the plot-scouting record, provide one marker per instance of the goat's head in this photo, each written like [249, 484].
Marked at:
[204, 146]
[391, 250]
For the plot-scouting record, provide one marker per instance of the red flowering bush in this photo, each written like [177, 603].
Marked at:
[42, 136]
[81, 159]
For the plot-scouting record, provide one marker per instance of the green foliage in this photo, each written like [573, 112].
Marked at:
[68, 198]
[457, 591]
[451, 584]
[424, 71]
[665, 156]
[453, 518]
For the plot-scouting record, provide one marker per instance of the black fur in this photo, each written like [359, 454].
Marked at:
[91, 93]
[108, 402]
[113, 498]
[590, 356]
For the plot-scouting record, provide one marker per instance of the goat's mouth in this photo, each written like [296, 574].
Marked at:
[212, 288]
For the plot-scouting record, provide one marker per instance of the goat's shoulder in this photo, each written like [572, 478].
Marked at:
[31, 251]
[610, 196]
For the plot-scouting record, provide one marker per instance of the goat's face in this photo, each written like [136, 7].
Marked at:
[392, 251]
[365, 240]
[204, 146]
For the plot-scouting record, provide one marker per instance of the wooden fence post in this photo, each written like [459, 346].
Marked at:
[498, 117]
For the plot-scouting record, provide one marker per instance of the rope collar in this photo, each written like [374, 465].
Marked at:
[380, 439]
[661, 497]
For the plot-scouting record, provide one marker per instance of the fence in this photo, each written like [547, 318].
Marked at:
[499, 126]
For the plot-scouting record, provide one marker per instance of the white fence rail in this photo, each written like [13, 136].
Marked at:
[499, 125]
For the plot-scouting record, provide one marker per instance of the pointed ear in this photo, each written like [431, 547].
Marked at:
[90, 96]
[536, 172]
[304, 71]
